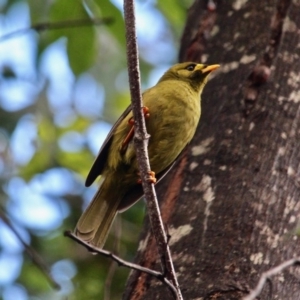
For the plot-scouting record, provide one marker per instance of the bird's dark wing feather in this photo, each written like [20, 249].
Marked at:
[101, 158]
[136, 193]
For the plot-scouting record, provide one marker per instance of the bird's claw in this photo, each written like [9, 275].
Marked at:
[130, 134]
[146, 111]
[151, 178]
[127, 139]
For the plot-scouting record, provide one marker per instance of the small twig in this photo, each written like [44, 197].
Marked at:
[121, 262]
[266, 276]
[141, 138]
[36, 259]
[57, 25]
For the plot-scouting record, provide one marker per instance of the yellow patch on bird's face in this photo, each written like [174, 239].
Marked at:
[189, 70]
[193, 71]
[194, 74]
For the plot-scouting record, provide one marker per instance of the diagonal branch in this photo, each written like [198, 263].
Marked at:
[141, 138]
[35, 257]
[120, 261]
[57, 25]
[268, 274]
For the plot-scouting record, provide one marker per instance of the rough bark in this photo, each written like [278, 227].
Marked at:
[231, 204]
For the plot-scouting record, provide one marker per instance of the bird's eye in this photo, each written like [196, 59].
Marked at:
[191, 67]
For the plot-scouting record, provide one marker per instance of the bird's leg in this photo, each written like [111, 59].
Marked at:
[151, 177]
[146, 111]
[130, 134]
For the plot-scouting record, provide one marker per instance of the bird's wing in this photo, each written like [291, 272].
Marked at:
[136, 192]
[101, 158]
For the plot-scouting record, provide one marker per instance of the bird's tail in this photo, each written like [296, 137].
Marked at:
[95, 222]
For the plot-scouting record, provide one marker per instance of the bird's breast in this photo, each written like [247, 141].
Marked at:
[172, 124]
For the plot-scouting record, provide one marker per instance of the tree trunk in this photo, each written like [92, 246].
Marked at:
[231, 204]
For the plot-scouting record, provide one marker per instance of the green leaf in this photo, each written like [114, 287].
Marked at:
[117, 28]
[79, 162]
[177, 15]
[38, 10]
[80, 124]
[44, 155]
[33, 279]
[81, 41]
[38, 164]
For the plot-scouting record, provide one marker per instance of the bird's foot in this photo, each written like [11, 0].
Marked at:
[145, 113]
[130, 134]
[151, 178]
[128, 138]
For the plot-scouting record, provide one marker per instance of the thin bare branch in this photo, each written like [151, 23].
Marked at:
[57, 25]
[268, 274]
[141, 138]
[121, 262]
[34, 256]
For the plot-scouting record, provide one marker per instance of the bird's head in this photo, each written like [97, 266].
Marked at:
[194, 74]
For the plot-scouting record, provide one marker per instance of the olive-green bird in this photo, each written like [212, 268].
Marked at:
[172, 118]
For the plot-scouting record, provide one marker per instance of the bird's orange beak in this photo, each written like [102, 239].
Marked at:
[210, 68]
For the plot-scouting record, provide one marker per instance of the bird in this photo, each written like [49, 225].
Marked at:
[172, 112]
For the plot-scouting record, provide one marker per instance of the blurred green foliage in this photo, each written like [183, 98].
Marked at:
[81, 42]
[100, 52]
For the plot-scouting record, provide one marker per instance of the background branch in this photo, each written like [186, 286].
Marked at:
[34, 256]
[120, 261]
[58, 25]
[266, 276]
[141, 146]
